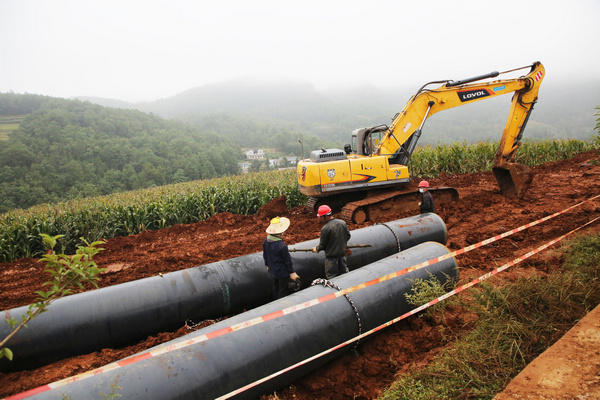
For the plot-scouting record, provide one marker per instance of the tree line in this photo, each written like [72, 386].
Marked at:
[68, 149]
[65, 149]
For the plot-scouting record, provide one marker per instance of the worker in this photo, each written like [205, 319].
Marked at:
[278, 260]
[334, 239]
[426, 203]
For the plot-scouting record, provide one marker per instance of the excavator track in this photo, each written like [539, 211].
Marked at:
[399, 201]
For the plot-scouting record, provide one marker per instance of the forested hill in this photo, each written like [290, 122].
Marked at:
[67, 149]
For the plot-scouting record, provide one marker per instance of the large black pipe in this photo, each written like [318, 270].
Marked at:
[124, 314]
[218, 366]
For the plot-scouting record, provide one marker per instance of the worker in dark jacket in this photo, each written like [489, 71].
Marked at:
[334, 241]
[278, 260]
[426, 203]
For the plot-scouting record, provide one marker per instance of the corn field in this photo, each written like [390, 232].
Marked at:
[133, 212]
[463, 158]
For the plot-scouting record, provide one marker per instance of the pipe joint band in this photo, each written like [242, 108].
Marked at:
[328, 283]
[393, 233]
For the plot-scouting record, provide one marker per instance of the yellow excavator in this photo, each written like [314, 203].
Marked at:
[372, 173]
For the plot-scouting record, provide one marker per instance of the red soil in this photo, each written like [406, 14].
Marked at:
[480, 213]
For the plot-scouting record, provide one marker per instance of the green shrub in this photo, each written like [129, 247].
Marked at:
[515, 323]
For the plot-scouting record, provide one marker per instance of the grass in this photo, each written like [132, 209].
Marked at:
[515, 324]
[425, 290]
[5, 130]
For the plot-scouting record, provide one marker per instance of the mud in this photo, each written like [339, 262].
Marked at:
[481, 212]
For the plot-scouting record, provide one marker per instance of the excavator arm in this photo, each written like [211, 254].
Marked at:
[513, 178]
[403, 134]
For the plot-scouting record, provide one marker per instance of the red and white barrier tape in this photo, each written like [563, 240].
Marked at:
[285, 311]
[408, 314]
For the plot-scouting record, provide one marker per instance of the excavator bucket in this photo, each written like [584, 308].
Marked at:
[513, 178]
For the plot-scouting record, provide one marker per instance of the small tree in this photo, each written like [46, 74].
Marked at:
[67, 273]
[255, 165]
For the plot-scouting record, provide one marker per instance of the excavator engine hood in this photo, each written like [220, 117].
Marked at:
[327, 155]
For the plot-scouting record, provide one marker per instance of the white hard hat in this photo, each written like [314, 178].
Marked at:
[278, 225]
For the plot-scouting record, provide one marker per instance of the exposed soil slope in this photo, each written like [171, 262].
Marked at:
[480, 213]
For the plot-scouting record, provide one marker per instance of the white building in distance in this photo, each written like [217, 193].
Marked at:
[255, 154]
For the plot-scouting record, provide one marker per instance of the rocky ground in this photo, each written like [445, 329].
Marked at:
[480, 213]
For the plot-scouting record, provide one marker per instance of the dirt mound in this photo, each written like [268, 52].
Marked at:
[480, 213]
[275, 208]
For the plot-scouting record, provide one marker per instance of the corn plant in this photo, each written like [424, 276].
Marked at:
[67, 273]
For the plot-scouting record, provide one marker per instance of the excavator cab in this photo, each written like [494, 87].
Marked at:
[365, 141]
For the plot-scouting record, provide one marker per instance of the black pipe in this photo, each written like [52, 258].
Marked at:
[218, 366]
[123, 314]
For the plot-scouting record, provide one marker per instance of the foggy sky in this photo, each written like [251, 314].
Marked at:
[143, 50]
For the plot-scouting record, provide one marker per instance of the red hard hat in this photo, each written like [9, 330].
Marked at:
[424, 184]
[323, 210]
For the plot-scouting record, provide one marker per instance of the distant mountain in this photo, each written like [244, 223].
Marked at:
[112, 103]
[264, 99]
[65, 149]
[289, 101]
[563, 111]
